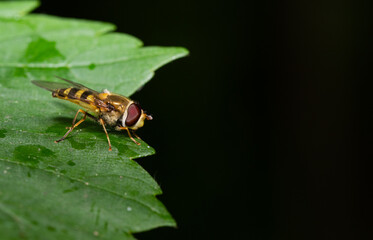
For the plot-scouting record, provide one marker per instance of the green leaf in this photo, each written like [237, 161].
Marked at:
[17, 9]
[75, 189]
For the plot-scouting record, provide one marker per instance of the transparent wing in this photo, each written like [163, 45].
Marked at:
[74, 84]
[51, 86]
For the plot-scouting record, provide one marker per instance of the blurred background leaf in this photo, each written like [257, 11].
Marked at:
[10, 9]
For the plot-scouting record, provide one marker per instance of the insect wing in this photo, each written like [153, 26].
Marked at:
[50, 86]
[77, 85]
[55, 86]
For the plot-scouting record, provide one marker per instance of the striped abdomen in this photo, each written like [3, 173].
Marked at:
[72, 93]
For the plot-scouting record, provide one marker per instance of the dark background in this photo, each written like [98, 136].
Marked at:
[265, 130]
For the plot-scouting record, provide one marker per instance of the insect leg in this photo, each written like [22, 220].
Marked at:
[88, 115]
[129, 134]
[136, 135]
[107, 135]
[74, 125]
[92, 117]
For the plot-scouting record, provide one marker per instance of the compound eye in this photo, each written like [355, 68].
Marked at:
[134, 113]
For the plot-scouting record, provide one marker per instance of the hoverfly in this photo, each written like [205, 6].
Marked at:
[104, 107]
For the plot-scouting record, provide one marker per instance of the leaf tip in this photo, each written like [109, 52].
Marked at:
[181, 52]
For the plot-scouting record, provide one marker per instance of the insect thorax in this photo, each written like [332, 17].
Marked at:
[111, 118]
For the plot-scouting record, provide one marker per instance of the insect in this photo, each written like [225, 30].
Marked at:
[104, 107]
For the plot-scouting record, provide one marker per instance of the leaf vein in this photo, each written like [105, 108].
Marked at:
[84, 183]
[69, 66]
